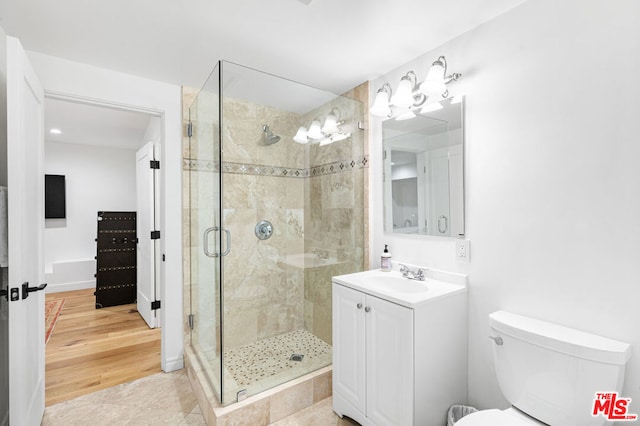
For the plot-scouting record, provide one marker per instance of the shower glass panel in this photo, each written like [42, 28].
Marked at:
[205, 229]
[293, 211]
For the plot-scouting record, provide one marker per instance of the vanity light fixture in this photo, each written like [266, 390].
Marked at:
[437, 79]
[406, 95]
[380, 106]
[315, 131]
[55, 131]
[330, 131]
[301, 135]
[411, 95]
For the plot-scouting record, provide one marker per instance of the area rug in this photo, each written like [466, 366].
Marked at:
[52, 311]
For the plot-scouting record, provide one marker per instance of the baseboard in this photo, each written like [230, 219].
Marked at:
[173, 364]
[80, 285]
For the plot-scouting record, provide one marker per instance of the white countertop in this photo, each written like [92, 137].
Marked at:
[437, 284]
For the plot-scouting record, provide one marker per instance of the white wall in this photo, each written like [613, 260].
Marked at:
[4, 320]
[552, 175]
[3, 108]
[96, 179]
[83, 81]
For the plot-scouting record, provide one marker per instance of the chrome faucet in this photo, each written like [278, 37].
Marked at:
[412, 274]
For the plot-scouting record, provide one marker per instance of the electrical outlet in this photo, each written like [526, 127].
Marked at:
[462, 250]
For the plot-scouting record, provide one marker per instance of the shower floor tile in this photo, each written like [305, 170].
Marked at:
[267, 363]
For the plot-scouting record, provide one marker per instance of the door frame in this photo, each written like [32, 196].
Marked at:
[170, 343]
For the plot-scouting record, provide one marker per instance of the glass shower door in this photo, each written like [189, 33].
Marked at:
[206, 234]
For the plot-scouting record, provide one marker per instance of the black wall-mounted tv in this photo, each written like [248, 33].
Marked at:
[54, 197]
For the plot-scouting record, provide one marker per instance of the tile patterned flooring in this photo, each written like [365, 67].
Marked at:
[259, 361]
[161, 399]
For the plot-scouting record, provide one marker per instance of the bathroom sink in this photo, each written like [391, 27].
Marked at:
[392, 286]
[396, 284]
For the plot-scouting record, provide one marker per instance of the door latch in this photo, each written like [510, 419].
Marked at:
[26, 289]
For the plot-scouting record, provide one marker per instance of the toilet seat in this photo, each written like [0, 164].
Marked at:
[495, 417]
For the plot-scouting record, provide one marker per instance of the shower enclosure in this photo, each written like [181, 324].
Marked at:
[271, 220]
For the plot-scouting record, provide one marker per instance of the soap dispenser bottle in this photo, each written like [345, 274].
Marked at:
[385, 259]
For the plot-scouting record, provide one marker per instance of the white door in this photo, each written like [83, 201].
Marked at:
[25, 182]
[389, 362]
[145, 223]
[349, 379]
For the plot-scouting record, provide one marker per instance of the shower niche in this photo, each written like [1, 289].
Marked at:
[260, 308]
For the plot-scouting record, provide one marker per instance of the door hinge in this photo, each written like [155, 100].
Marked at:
[155, 305]
[384, 154]
[163, 258]
[154, 164]
[190, 321]
[189, 129]
[14, 294]
[155, 235]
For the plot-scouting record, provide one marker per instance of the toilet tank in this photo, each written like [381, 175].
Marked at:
[552, 372]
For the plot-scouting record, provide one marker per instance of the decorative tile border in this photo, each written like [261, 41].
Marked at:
[262, 170]
[339, 166]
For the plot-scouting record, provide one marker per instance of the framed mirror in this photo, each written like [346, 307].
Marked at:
[424, 171]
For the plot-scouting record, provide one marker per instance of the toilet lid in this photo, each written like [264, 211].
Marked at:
[495, 417]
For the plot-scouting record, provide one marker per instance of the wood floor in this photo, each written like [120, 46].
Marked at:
[93, 349]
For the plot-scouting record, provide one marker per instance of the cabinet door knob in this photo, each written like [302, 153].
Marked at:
[367, 309]
[498, 340]
[359, 306]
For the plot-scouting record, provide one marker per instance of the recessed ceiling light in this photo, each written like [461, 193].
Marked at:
[55, 131]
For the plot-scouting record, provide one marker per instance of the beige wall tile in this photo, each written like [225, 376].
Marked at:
[256, 414]
[322, 386]
[292, 400]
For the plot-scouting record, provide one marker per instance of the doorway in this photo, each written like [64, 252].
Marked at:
[100, 150]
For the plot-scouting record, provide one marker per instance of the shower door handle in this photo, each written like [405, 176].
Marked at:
[205, 242]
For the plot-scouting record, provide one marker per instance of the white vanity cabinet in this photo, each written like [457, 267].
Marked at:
[397, 364]
[371, 335]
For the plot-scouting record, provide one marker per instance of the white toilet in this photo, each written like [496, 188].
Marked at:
[549, 373]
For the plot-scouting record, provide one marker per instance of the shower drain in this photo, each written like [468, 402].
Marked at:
[296, 357]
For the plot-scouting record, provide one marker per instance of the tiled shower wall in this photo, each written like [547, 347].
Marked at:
[314, 196]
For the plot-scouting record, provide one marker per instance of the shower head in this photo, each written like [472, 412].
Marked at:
[269, 137]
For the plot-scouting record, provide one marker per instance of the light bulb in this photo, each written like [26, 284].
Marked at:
[403, 97]
[330, 125]
[434, 83]
[380, 106]
[301, 135]
[314, 131]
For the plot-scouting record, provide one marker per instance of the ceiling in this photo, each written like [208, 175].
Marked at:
[87, 124]
[333, 45]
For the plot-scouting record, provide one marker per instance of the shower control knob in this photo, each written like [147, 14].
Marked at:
[367, 309]
[263, 230]
[359, 306]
